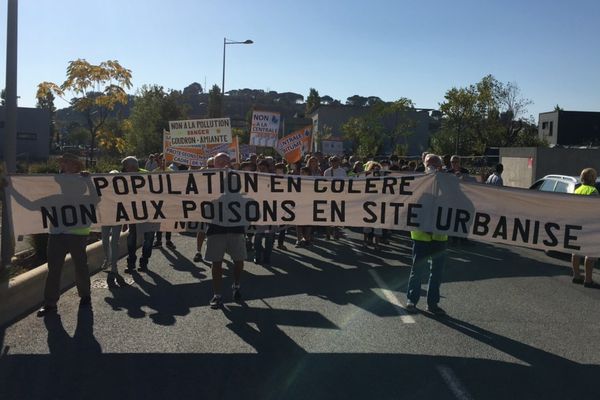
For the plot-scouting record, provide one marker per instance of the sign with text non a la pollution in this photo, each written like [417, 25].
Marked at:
[200, 132]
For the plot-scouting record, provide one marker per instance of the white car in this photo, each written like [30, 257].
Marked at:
[559, 184]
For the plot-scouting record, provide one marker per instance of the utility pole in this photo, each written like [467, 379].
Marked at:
[10, 131]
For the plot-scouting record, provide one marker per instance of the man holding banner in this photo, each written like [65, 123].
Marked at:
[428, 249]
[72, 241]
[221, 240]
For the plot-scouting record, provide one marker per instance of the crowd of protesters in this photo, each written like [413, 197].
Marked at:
[428, 251]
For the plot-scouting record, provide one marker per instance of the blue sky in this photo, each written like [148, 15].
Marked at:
[390, 49]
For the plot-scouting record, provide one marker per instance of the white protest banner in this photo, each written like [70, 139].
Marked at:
[265, 128]
[200, 132]
[433, 203]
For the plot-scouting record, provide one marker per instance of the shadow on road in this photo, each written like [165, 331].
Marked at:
[76, 369]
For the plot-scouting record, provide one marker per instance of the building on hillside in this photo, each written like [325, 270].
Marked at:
[329, 119]
[333, 146]
[33, 133]
[570, 128]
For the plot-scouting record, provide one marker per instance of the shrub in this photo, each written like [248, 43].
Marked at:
[49, 167]
[106, 164]
[39, 243]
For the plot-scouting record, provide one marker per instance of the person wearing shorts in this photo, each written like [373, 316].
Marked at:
[221, 240]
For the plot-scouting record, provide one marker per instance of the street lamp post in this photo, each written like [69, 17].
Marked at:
[10, 132]
[225, 43]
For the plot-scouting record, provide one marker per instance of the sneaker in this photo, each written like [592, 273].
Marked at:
[592, 285]
[130, 269]
[237, 295]
[85, 301]
[577, 280]
[216, 302]
[143, 268]
[121, 280]
[410, 307]
[198, 257]
[156, 245]
[281, 247]
[111, 280]
[46, 310]
[436, 310]
[171, 245]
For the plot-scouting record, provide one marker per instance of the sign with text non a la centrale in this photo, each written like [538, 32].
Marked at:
[265, 128]
[200, 132]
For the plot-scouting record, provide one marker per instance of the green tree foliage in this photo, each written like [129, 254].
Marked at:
[192, 95]
[215, 102]
[152, 110]
[402, 113]
[313, 101]
[93, 90]
[47, 103]
[357, 101]
[367, 133]
[486, 114]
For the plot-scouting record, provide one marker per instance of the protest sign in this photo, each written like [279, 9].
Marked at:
[293, 145]
[196, 156]
[438, 203]
[265, 128]
[200, 132]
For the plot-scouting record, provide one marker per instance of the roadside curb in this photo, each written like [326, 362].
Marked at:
[25, 292]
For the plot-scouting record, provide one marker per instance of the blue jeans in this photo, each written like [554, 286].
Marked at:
[263, 254]
[424, 254]
[132, 246]
[110, 244]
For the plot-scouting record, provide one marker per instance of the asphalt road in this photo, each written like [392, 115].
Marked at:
[322, 323]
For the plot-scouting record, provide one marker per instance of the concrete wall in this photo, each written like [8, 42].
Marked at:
[524, 165]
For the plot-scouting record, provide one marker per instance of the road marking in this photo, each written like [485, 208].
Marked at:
[455, 386]
[476, 254]
[391, 297]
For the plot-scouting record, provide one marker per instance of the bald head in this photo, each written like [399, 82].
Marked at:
[434, 161]
[222, 160]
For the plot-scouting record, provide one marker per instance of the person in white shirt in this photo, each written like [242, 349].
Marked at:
[496, 177]
[335, 170]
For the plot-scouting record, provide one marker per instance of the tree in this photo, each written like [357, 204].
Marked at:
[326, 99]
[215, 100]
[152, 110]
[366, 134]
[192, 95]
[313, 101]
[403, 113]
[95, 91]
[193, 89]
[373, 100]
[558, 108]
[47, 103]
[488, 113]
[356, 101]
